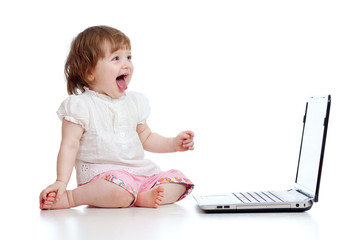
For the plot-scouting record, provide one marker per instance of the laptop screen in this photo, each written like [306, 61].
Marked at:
[313, 145]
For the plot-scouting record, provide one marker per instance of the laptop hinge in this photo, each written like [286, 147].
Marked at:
[304, 193]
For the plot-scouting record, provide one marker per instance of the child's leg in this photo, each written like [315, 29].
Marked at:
[169, 187]
[99, 193]
[172, 192]
[159, 195]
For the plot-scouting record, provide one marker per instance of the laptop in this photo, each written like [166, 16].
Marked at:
[308, 174]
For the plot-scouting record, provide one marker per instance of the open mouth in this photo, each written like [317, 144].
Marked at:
[120, 81]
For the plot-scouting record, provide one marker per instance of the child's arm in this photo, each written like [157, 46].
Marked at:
[156, 143]
[70, 143]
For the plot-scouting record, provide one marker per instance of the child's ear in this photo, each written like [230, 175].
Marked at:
[90, 76]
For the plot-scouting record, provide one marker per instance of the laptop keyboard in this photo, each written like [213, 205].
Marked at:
[257, 197]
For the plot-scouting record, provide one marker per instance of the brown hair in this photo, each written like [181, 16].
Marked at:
[86, 49]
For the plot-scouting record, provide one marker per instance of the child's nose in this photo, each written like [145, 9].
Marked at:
[124, 64]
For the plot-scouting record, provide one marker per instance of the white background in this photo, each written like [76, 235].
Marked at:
[237, 73]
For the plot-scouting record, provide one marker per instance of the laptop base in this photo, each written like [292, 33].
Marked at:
[265, 201]
[256, 210]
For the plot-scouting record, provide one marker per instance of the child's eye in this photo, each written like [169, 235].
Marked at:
[115, 59]
[129, 58]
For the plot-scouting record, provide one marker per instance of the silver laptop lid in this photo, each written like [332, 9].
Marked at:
[313, 146]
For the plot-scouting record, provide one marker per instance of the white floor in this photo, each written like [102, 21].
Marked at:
[178, 221]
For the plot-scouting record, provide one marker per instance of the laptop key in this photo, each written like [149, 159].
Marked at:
[257, 197]
[242, 197]
[275, 197]
[251, 197]
[268, 197]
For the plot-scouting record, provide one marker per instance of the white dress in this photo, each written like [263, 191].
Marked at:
[110, 140]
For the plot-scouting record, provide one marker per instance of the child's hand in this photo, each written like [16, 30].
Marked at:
[184, 141]
[58, 188]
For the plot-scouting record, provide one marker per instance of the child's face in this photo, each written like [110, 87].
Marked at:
[112, 74]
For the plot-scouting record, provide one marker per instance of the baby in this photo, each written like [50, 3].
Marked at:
[104, 133]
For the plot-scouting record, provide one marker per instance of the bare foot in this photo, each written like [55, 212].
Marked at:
[151, 198]
[51, 203]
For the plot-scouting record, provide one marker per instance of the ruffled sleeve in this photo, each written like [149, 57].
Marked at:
[74, 109]
[143, 106]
